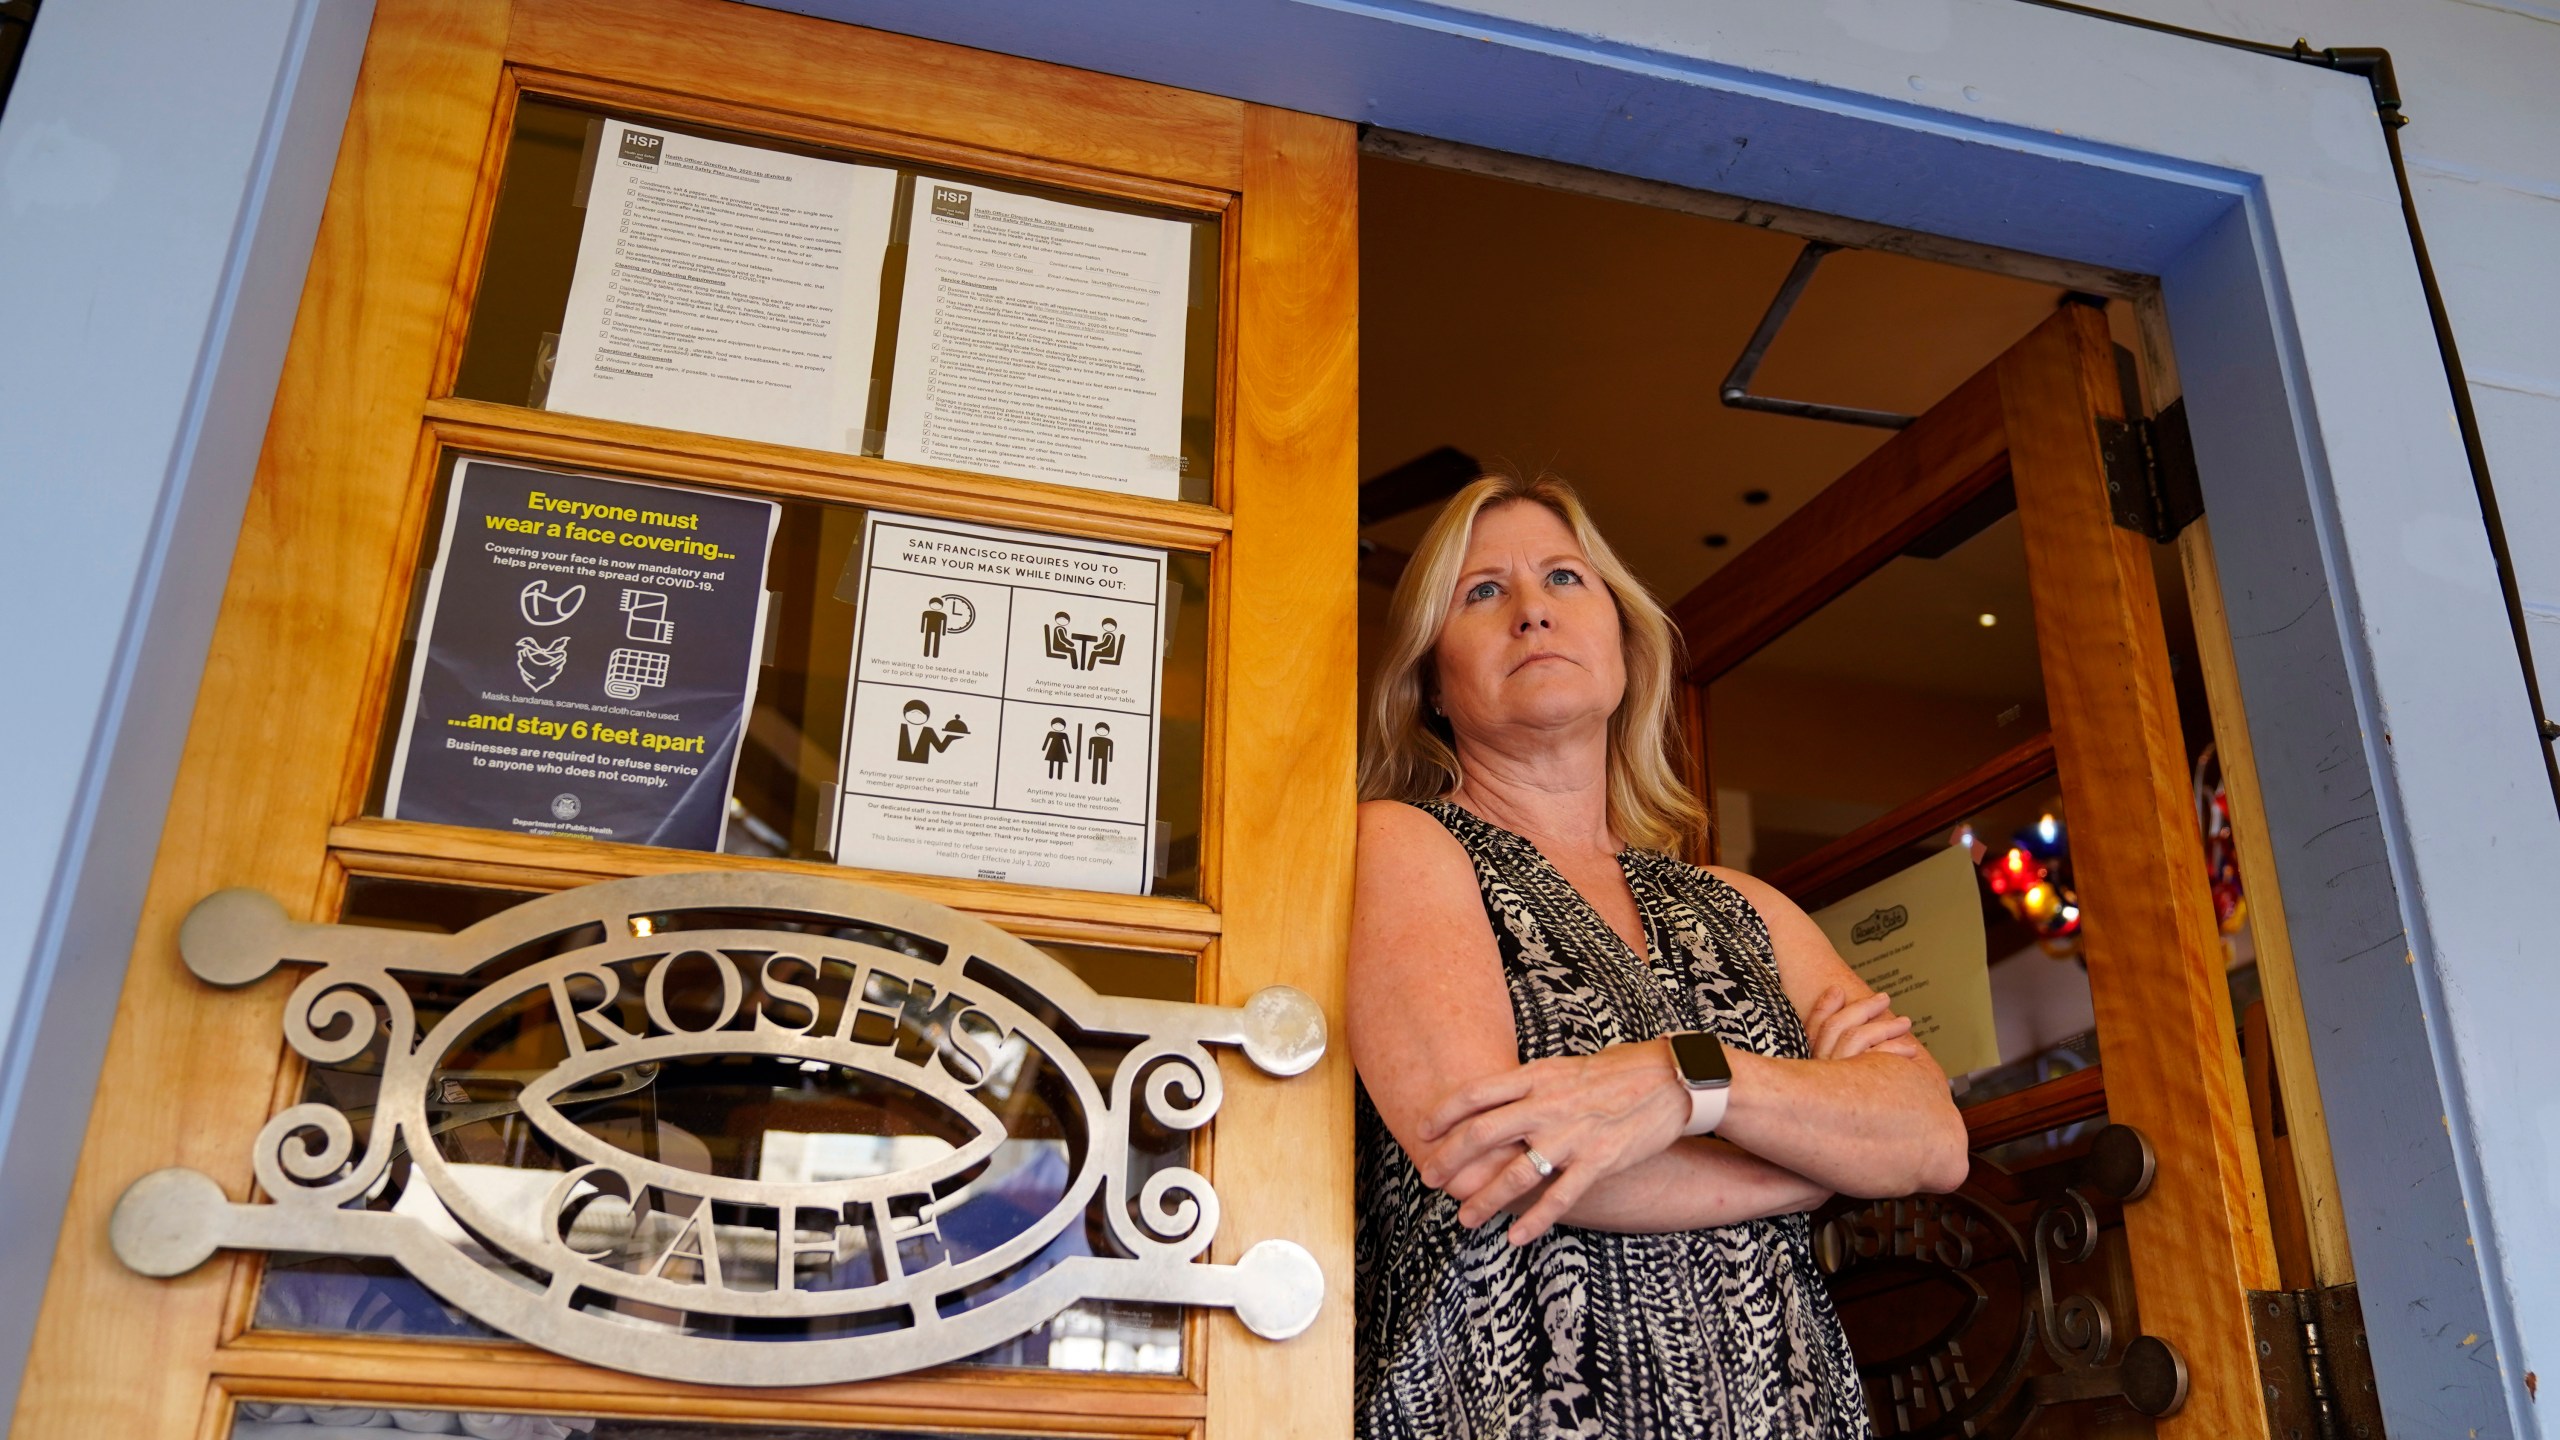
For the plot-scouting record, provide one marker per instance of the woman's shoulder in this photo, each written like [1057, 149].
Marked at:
[1723, 884]
[1404, 842]
[1728, 877]
[1410, 866]
[1403, 824]
[1765, 899]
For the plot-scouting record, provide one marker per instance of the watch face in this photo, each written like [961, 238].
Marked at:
[1701, 1059]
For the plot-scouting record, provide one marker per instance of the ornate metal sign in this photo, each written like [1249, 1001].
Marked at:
[642, 1261]
[1959, 1305]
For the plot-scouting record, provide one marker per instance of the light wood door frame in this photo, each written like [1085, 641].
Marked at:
[283, 740]
[2171, 1068]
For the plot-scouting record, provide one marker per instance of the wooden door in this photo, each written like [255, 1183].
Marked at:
[2026, 434]
[281, 788]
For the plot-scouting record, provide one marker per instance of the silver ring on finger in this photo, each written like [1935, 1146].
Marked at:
[1545, 1167]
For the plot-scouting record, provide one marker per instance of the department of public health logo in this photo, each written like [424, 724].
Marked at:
[564, 807]
[642, 146]
[950, 202]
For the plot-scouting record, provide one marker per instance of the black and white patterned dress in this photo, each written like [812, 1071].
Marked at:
[1724, 1332]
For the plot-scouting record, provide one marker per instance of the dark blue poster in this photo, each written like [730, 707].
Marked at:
[585, 660]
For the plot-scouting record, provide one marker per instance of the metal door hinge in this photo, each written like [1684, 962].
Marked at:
[2151, 472]
[2314, 1365]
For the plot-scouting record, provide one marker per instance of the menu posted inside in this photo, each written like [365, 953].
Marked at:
[728, 289]
[1002, 722]
[1041, 340]
[1918, 936]
[585, 658]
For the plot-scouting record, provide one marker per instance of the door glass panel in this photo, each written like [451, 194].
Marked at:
[1919, 673]
[271, 1420]
[784, 802]
[532, 256]
[2040, 1003]
[1915, 676]
[772, 1120]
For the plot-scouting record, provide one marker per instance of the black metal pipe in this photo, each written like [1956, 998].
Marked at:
[1735, 392]
[2228, 42]
[1814, 410]
[2373, 65]
[1799, 275]
[17, 21]
[2468, 422]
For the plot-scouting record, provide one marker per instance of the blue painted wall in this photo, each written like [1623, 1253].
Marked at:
[2483, 146]
[162, 167]
[155, 268]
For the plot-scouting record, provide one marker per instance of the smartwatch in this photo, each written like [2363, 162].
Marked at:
[1699, 1056]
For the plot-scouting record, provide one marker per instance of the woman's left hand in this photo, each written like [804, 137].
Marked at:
[1589, 1116]
[1839, 1028]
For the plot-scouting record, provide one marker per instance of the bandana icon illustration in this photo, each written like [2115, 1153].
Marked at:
[541, 664]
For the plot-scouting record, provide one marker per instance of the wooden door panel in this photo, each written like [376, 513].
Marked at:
[282, 745]
[2155, 960]
[2197, 1241]
[1291, 674]
[2298, 1110]
[797, 65]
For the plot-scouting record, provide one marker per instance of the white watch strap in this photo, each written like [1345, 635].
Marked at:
[1706, 1109]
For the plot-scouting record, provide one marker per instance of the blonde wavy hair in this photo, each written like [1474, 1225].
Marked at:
[1408, 753]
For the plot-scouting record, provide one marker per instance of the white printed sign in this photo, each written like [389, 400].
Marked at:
[1002, 719]
[1041, 340]
[1918, 937]
[726, 289]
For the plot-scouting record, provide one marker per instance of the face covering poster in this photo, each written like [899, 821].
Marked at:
[585, 660]
[1002, 721]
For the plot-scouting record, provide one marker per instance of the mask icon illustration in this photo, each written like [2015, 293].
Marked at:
[541, 664]
[541, 607]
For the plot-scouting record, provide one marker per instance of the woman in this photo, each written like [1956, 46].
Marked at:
[1549, 1244]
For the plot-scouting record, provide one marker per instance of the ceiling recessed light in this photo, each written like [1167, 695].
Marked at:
[1755, 497]
[1715, 540]
[1986, 619]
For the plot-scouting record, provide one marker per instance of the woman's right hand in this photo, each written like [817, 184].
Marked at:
[1588, 1116]
[1839, 1028]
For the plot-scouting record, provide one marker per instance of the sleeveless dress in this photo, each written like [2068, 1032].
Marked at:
[1724, 1332]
